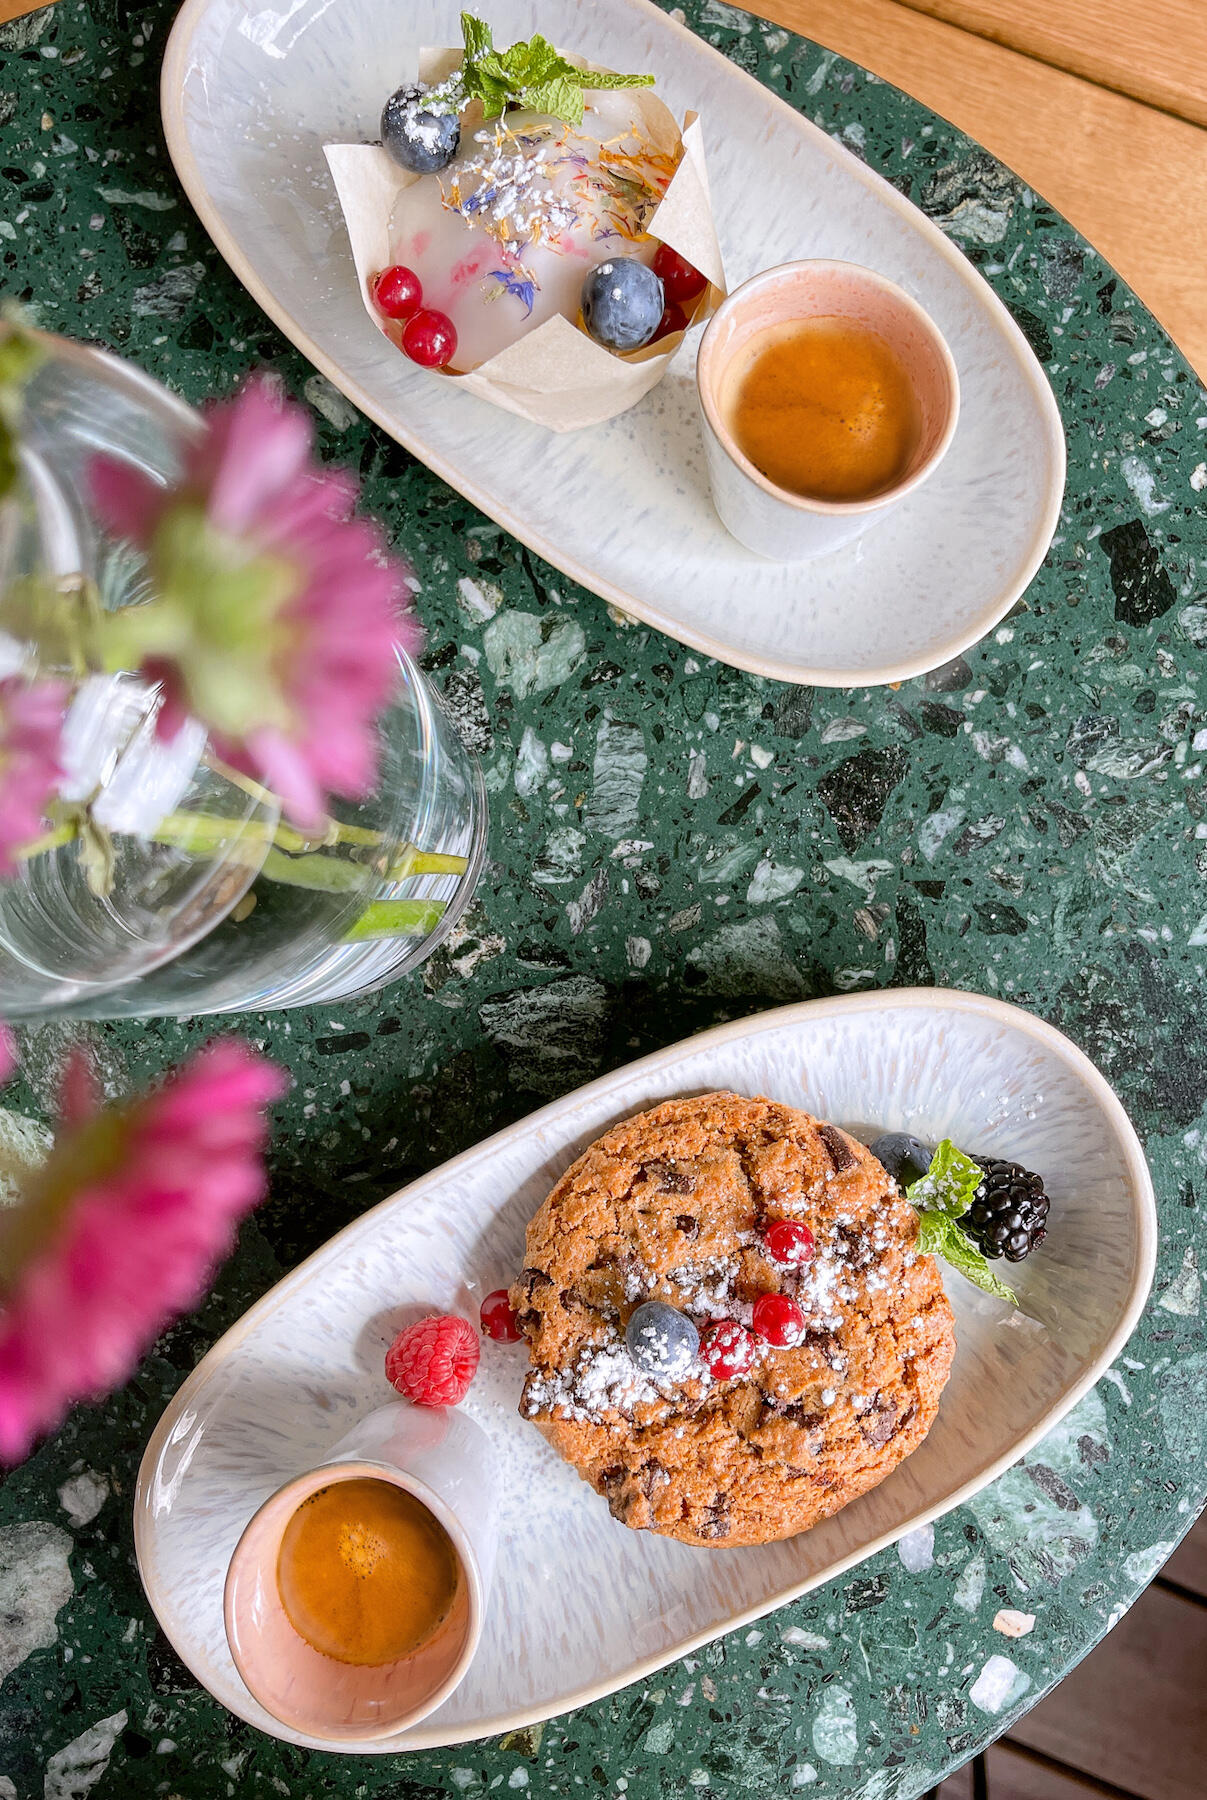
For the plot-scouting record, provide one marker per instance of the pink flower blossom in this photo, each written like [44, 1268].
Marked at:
[31, 721]
[275, 614]
[121, 1228]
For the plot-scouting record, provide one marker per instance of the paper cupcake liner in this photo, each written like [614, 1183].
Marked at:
[555, 375]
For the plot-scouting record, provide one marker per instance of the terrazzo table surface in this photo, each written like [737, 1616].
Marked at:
[674, 843]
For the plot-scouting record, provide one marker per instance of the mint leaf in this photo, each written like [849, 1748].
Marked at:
[933, 1228]
[560, 97]
[532, 73]
[494, 96]
[537, 61]
[604, 78]
[962, 1254]
[477, 35]
[448, 96]
[949, 1185]
[940, 1235]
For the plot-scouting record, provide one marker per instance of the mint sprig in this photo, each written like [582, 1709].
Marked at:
[949, 1185]
[940, 1235]
[942, 1196]
[530, 74]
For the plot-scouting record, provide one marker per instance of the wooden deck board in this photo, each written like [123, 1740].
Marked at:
[1131, 179]
[1133, 1713]
[1016, 1776]
[1188, 1568]
[1131, 1722]
[1157, 53]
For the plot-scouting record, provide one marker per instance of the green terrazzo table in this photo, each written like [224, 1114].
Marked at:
[1029, 821]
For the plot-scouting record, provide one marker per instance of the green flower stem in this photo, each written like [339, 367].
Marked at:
[243, 841]
[322, 874]
[354, 834]
[51, 840]
[396, 918]
[203, 832]
[411, 861]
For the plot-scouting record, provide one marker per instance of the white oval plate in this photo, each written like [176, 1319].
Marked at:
[591, 1604]
[250, 97]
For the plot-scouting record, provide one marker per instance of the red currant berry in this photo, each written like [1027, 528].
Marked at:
[397, 292]
[777, 1320]
[673, 319]
[680, 280]
[727, 1349]
[787, 1242]
[430, 338]
[498, 1320]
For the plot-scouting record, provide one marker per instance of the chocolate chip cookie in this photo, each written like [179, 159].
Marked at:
[678, 1205]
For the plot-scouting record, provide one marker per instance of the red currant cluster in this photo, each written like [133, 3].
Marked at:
[680, 281]
[428, 337]
[726, 1347]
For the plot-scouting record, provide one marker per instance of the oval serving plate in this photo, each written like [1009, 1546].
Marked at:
[594, 1605]
[249, 99]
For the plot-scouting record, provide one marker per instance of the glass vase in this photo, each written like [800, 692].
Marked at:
[169, 882]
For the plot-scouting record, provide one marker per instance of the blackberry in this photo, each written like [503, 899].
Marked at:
[1009, 1212]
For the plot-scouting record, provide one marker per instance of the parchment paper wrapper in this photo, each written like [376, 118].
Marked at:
[556, 375]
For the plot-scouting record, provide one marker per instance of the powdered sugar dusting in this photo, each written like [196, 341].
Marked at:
[852, 1259]
[604, 1379]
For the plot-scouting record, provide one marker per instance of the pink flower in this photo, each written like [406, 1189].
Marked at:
[121, 1228]
[275, 615]
[31, 720]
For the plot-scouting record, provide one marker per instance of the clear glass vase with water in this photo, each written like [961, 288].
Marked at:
[211, 900]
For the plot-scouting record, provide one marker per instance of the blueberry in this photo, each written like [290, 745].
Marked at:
[662, 1341]
[906, 1158]
[421, 141]
[622, 303]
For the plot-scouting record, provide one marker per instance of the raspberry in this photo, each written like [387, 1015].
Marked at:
[727, 1349]
[433, 1362]
[787, 1242]
[777, 1319]
[498, 1320]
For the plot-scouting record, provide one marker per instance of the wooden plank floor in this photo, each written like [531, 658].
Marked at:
[1095, 103]
[1130, 1722]
[1155, 53]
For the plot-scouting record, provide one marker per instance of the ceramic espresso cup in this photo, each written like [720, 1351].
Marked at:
[771, 520]
[445, 1461]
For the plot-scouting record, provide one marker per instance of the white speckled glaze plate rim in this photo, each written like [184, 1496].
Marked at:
[623, 508]
[627, 1603]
